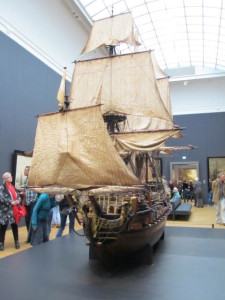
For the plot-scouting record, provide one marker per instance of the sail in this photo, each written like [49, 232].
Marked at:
[53, 190]
[163, 87]
[159, 73]
[168, 149]
[115, 190]
[162, 81]
[153, 123]
[111, 31]
[62, 90]
[126, 83]
[141, 141]
[73, 149]
[141, 123]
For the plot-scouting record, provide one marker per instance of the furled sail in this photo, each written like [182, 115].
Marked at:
[168, 149]
[111, 31]
[114, 189]
[141, 141]
[53, 190]
[126, 84]
[73, 149]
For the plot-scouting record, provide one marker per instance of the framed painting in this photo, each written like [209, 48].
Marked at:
[21, 159]
[216, 166]
[181, 171]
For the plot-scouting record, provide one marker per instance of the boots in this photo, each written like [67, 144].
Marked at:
[17, 245]
[1, 246]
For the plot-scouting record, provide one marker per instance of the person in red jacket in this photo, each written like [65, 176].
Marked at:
[9, 197]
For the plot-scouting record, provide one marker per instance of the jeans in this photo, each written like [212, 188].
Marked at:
[210, 195]
[63, 223]
[186, 195]
[55, 216]
[220, 211]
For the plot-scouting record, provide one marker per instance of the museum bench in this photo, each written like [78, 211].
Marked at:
[180, 209]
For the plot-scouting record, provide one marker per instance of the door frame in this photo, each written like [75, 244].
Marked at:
[184, 165]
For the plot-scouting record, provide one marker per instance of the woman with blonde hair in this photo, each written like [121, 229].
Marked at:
[9, 197]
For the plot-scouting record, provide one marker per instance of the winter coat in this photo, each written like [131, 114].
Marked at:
[216, 191]
[6, 211]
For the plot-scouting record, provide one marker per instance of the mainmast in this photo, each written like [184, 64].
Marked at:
[112, 119]
[128, 87]
[112, 48]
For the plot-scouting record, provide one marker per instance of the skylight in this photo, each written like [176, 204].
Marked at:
[183, 33]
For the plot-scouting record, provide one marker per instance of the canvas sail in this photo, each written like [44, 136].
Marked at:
[111, 31]
[126, 83]
[163, 87]
[140, 123]
[162, 81]
[153, 123]
[62, 90]
[53, 190]
[141, 141]
[169, 149]
[73, 149]
[114, 189]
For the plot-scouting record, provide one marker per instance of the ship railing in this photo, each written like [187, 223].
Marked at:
[108, 224]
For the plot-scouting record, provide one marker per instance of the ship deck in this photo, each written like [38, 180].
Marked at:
[188, 264]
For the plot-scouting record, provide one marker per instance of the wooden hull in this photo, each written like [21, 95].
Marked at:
[130, 244]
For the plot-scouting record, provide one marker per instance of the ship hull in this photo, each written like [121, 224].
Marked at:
[130, 245]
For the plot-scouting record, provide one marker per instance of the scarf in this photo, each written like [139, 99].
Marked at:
[11, 190]
[15, 208]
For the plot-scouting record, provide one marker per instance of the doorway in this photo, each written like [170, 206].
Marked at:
[180, 171]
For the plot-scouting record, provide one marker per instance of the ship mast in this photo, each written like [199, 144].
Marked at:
[112, 119]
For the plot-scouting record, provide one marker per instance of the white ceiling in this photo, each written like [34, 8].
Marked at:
[183, 33]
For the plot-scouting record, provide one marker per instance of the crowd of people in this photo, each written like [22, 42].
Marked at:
[188, 191]
[41, 209]
[192, 191]
[40, 212]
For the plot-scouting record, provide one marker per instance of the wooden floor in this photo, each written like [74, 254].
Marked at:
[204, 217]
[200, 217]
[9, 241]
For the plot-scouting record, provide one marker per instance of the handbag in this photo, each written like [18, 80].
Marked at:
[19, 211]
[22, 211]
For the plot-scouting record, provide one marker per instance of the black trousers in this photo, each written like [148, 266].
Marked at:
[3, 231]
[28, 216]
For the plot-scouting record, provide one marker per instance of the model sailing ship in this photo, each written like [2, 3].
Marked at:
[103, 148]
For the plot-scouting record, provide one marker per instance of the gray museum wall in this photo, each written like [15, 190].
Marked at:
[206, 132]
[27, 88]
